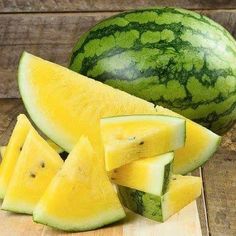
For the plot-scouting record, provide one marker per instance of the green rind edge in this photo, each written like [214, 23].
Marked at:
[145, 204]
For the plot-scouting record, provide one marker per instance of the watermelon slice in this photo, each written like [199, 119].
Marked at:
[37, 163]
[129, 138]
[80, 197]
[12, 152]
[150, 175]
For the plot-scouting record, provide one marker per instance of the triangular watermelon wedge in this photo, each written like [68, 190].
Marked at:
[12, 151]
[37, 164]
[80, 197]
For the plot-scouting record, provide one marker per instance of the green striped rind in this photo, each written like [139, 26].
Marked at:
[145, 204]
[167, 176]
[171, 57]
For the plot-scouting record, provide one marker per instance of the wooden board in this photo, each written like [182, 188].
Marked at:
[52, 37]
[219, 177]
[106, 5]
[185, 223]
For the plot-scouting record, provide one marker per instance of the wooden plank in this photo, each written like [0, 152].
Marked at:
[52, 37]
[18, 225]
[106, 5]
[229, 140]
[9, 109]
[220, 187]
[201, 205]
[184, 223]
[225, 18]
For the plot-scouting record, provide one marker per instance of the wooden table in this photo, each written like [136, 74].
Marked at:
[50, 28]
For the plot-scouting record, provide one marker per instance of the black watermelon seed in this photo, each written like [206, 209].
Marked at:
[32, 175]
[42, 164]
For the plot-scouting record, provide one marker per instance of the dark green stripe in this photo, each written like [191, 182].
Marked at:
[167, 176]
[165, 74]
[213, 118]
[176, 28]
[89, 63]
[145, 204]
[110, 30]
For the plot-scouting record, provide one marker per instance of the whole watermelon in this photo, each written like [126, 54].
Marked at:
[171, 57]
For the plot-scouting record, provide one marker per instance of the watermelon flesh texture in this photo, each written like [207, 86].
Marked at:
[182, 191]
[150, 175]
[12, 152]
[196, 138]
[36, 166]
[83, 184]
[171, 57]
[58, 149]
[129, 138]
[56, 97]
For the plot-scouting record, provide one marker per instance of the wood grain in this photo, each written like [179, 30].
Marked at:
[184, 223]
[106, 5]
[201, 205]
[52, 37]
[219, 177]
[9, 108]
[16, 225]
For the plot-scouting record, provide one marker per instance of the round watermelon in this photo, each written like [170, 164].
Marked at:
[171, 57]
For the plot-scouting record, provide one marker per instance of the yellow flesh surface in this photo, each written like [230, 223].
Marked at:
[80, 196]
[182, 191]
[127, 141]
[66, 105]
[146, 175]
[12, 152]
[35, 167]
[57, 148]
[200, 143]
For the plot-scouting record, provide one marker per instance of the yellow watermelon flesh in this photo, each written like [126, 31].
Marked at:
[80, 197]
[36, 166]
[150, 175]
[66, 105]
[12, 152]
[57, 148]
[129, 138]
[200, 145]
